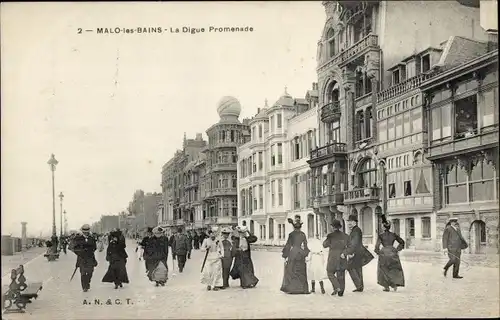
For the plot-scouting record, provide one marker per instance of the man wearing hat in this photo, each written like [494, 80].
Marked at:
[453, 244]
[336, 242]
[84, 247]
[181, 247]
[227, 258]
[354, 253]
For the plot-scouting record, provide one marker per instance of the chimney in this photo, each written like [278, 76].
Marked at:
[199, 137]
[258, 110]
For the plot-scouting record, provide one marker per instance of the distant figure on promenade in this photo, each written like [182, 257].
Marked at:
[316, 266]
[171, 241]
[243, 265]
[196, 241]
[211, 273]
[155, 256]
[144, 243]
[63, 243]
[190, 241]
[295, 253]
[336, 265]
[117, 258]
[357, 255]
[453, 244]
[85, 247]
[389, 271]
[182, 248]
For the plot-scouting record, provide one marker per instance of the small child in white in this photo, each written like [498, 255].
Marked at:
[316, 266]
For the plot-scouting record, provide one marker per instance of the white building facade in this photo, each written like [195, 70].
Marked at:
[273, 169]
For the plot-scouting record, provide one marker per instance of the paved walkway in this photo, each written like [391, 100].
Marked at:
[11, 262]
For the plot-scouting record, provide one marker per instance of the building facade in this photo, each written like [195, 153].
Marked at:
[461, 105]
[272, 168]
[367, 67]
[220, 201]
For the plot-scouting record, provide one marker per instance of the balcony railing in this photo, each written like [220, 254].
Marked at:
[361, 195]
[353, 52]
[331, 199]
[330, 112]
[221, 192]
[403, 87]
[329, 150]
[224, 166]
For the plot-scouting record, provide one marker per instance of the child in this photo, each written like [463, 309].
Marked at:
[316, 267]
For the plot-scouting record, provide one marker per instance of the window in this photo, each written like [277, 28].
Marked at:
[273, 203]
[250, 201]
[360, 126]
[395, 77]
[242, 202]
[426, 63]
[369, 122]
[410, 225]
[279, 120]
[367, 174]
[392, 190]
[426, 227]
[280, 152]
[331, 42]
[396, 226]
[254, 162]
[410, 69]
[271, 228]
[407, 185]
[488, 109]
[233, 138]
[261, 196]
[295, 192]
[481, 182]
[296, 148]
[455, 188]
[334, 131]
[273, 159]
[280, 192]
[261, 164]
[260, 131]
[255, 197]
[382, 130]
[367, 221]
[466, 117]
[253, 134]
[272, 123]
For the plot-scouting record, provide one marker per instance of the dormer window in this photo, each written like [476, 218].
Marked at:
[426, 63]
[396, 77]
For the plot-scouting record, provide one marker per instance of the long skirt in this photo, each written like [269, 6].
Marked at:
[212, 273]
[157, 270]
[390, 272]
[295, 277]
[117, 272]
[243, 270]
[316, 268]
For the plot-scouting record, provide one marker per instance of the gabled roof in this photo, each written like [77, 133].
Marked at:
[459, 50]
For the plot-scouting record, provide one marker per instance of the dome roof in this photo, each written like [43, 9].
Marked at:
[285, 100]
[229, 106]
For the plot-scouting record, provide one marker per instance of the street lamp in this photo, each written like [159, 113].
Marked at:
[61, 197]
[65, 223]
[53, 255]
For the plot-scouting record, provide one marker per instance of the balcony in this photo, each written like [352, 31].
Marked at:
[221, 192]
[330, 150]
[402, 88]
[330, 112]
[227, 220]
[224, 167]
[357, 50]
[361, 195]
[331, 199]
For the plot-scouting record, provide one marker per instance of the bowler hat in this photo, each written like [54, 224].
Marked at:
[353, 217]
[85, 227]
[336, 224]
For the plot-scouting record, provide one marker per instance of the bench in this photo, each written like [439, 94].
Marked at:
[19, 293]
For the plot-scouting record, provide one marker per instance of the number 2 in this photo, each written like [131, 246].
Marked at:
[79, 30]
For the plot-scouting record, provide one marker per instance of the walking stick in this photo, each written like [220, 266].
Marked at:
[204, 260]
[73, 274]
[467, 265]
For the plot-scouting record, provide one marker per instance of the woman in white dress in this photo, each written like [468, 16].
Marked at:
[316, 266]
[211, 274]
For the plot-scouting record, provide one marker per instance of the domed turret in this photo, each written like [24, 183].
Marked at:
[285, 100]
[229, 107]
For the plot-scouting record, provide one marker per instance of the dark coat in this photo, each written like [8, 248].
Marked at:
[296, 246]
[337, 242]
[84, 248]
[453, 240]
[355, 246]
[156, 248]
[117, 257]
[181, 245]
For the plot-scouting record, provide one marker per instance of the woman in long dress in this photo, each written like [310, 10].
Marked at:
[155, 256]
[389, 272]
[211, 275]
[316, 268]
[295, 253]
[117, 258]
[243, 265]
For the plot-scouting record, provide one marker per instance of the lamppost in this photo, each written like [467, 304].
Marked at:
[61, 197]
[65, 223]
[53, 255]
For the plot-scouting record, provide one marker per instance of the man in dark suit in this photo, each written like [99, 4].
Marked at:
[182, 247]
[84, 247]
[453, 244]
[227, 259]
[337, 242]
[354, 253]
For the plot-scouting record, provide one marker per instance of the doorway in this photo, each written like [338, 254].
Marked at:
[477, 235]
[410, 232]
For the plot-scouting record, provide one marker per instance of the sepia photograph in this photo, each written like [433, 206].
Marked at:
[250, 160]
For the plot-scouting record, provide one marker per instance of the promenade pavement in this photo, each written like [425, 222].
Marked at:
[427, 294]
[13, 261]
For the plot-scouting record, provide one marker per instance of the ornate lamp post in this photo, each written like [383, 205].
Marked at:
[65, 223]
[53, 255]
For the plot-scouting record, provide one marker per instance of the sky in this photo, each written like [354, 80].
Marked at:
[113, 108]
